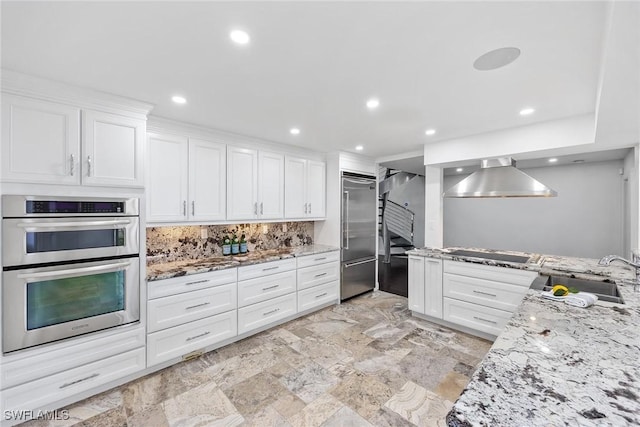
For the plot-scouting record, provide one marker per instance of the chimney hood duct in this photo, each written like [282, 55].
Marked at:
[499, 178]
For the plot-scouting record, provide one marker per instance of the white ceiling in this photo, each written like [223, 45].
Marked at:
[314, 64]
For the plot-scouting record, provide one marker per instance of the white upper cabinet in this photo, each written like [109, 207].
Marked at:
[255, 184]
[41, 143]
[207, 180]
[271, 185]
[112, 150]
[305, 188]
[167, 178]
[186, 179]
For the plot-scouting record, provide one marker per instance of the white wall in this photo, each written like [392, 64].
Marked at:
[585, 220]
[631, 201]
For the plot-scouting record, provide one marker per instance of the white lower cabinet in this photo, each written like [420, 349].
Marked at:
[264, 313]
[184, 339]
[425, 286]
[52, 388]
[318, 280]
[190, 313]
[264, 288]
[475, 316]
[318, 295]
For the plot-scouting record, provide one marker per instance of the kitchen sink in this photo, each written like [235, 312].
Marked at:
[605, 291]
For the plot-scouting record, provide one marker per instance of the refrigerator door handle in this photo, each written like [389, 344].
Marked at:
[360, 181]
[345, 215]
[353, 264]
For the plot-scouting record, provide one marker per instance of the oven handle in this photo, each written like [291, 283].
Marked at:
[93, 269]
[74, 224]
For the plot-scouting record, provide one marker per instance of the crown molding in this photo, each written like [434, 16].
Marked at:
[36, 87]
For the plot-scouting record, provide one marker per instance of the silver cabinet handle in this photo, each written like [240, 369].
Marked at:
[198, 336]
[271, 268]
[261, 208]
[309, 207]
[184, 208]
[320, 275]
[61, 273]
[196, 282]
[73, 164]
[193, 208]
[270, 287]
[484, 293]
[89, 164]
[305, 208]
[191, 307]
[65, 385]
[321, 295]
[485, 320]
[320, 259]
[271, 312]
[255, 208]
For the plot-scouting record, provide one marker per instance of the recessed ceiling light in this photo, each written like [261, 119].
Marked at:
[294, 131]
[496, 58]
[359, 147]
[430, 132]
[527, 111]
[239, 36]
[179, 99]
[459, 170]
[553, 160]
[373, 103]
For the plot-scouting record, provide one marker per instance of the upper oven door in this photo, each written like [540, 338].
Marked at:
[27, 241]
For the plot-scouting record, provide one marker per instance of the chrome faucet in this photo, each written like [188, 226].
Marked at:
[606, 260]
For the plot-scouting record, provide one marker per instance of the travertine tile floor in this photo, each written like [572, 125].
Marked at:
[365, 362]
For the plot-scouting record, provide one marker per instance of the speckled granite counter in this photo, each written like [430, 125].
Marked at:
[555, 364]
[182, 268]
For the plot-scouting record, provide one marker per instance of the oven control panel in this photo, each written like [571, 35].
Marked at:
[67, 207]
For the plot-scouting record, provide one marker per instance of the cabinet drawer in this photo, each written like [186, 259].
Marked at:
[487, 272]
[317, 275]
[318, 295]
[475, 316]
[175, 310]
[50, 359]
[178, 285]
[264, 313]
[503, 296]
[36, 394]
[180, 340]
[310, 260]
[267, 287]
[259, 270]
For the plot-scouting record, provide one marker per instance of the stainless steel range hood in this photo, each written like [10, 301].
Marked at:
[499, 178]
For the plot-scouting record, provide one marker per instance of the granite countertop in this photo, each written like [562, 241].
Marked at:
[168, 270]
[555, 364]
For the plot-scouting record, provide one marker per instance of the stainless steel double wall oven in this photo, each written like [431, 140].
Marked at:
[70, 266]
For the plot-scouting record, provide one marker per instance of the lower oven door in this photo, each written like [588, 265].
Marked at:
[45, 304]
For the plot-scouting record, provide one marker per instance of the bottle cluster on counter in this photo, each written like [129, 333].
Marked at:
[234, 246]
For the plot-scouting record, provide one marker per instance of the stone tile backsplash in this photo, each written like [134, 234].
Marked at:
[167, 244]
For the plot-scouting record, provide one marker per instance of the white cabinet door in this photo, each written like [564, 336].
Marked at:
[295, 187]
[167, 178]
[242, 183]
[112, 150]
[207, 180]
[416, 283]
[433, 287]
[271, 185]
[316, 189]
[40, 141]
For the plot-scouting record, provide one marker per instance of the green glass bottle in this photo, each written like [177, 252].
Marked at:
[226, 246]
[235, 245]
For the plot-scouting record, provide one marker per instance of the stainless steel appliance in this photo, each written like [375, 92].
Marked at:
[359, 231]
[70, 266]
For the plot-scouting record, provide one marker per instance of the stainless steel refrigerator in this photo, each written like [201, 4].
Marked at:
[359, 234]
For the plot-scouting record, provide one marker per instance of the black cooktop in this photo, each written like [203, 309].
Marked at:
[492, 256]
